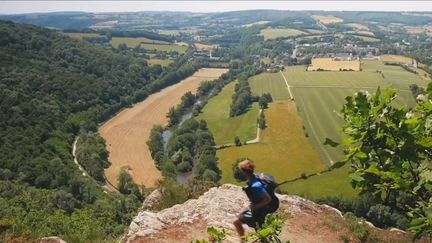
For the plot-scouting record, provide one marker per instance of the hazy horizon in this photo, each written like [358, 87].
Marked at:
[26, 7]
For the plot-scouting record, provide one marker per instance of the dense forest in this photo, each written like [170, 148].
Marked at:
[53, 88]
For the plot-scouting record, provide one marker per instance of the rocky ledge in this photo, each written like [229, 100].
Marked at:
[307, 221]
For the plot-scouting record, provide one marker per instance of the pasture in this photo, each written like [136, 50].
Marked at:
[335, 183]
[223, 127]
[314, 31]
[397, 76]
[358, 26]
[276, 33]
[294, 140]
[162, 62]
[327, 19]
[367, 38]
[256, 23]
[164, 47]
[330, 64]
[283, 150]
[272, 83]
[126, 133]
[82, 36]
[133, 42]
[177, 31]
[320, 96]
[368, 33]
[201, 46]
[396, 58]
[419, 29]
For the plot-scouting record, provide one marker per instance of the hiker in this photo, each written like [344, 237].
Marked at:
[262, 200]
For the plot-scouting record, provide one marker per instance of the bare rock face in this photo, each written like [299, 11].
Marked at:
[219, 207]
[152, 199]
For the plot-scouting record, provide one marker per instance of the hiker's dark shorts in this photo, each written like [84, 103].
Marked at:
[252, 219]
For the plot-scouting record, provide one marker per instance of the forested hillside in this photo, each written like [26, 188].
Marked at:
[51, 89]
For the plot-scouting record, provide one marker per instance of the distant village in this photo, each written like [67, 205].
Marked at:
[326, 56]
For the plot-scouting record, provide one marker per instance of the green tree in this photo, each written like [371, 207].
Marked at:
[156, 144]
[264, 100]
[187, 100]
[390, 152]
[126, 185]
[263, 103]
[174, 116]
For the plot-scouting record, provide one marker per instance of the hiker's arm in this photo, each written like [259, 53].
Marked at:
[264, 201]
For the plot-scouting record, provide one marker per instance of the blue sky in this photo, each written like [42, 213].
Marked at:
[13, 7]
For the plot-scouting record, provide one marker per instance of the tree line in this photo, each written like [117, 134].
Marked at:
[242, 97]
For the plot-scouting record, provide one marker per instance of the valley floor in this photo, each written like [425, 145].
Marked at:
[127, 133]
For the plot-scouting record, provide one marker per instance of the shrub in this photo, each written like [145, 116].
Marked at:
[210, 175]
[360, 229]
[126, 185]
[380, 215]
[184, 166]
[261, 120]
[303, 175]
[237, 141]
[172, 194]
[270, 230]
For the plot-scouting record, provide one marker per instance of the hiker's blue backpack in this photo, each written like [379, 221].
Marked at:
[270, 186]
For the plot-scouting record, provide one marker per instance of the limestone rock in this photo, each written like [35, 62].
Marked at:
[219, 207]
[51, 239]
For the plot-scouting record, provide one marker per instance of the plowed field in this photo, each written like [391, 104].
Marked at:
[126, 134]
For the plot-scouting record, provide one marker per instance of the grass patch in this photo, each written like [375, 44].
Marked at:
[367, 38]
[162, 62]
[327, 19]
[82, 36]
[358, 26]
[223, 127]
[397, 76]
[329, 64]
[332, 184]
[167, 48]
[315, 31]
[396, 58]
[133, 42]
[283, 151]
[256, 23]
[177, 31]
[276, 33]
[272, 83]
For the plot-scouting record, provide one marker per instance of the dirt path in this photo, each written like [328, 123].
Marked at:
[126, 134]
[107, 186]
[258, 133]
[288, 87]
[84, 172]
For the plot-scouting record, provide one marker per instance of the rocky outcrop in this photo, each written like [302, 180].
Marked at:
[51, 239]
[307, 221]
